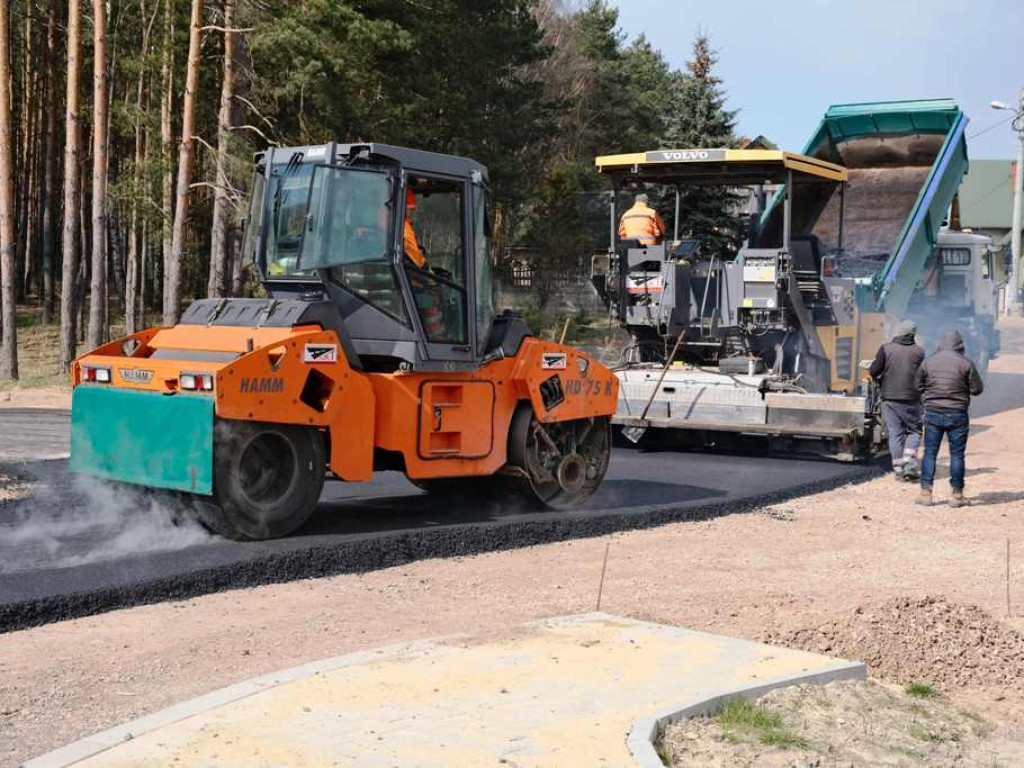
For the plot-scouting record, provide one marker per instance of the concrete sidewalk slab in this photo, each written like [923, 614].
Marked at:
[577, 691]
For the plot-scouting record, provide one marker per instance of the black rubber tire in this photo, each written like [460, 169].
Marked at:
[550, 496]
[250, 503]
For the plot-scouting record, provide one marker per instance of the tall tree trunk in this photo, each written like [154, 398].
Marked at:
[237, 269]
[133, 284]
[186, 152]
[219, 236]
[140, 306]
[147, 264]
[72, 191]
[21, 130]
[26, 176]
[84, 270]
[9, 350]
[167, 144]
[98, 301]
[50, 202]
[42, 153]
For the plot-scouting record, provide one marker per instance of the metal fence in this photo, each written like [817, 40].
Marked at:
[521, 269]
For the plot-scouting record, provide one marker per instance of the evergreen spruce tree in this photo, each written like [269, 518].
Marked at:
[700, 120]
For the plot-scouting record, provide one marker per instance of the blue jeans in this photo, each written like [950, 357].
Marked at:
[956, 426]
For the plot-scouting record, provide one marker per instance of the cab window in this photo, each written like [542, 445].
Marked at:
[434, 256]
[484, 280]
[348, 234]
[287, 206]
[254, 219]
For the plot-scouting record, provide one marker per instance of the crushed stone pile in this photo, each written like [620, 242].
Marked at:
[930, 640]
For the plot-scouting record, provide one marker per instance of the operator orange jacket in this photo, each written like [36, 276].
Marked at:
[642, 223]
[411, 244]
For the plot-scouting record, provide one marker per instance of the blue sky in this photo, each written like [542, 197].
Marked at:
[785, 62]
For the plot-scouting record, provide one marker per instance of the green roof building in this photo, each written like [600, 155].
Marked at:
[986, 202]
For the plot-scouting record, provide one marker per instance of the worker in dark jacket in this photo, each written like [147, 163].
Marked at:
[895, 369]
[946, 381]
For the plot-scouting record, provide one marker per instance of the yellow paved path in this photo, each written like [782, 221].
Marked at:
[562, 692]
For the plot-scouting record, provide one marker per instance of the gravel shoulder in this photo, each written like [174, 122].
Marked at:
[785, 568]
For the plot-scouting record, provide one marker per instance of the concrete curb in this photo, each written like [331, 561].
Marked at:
[644, 732]
[640, 742]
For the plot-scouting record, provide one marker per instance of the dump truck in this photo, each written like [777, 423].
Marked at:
[376, 348]
[767, 340]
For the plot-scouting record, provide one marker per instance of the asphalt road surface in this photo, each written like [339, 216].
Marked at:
[28, 434]
[76, 548]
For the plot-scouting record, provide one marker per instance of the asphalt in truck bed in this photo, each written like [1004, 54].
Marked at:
[72, 549]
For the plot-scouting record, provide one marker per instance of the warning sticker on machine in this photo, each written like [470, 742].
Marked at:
[553, 361]
[320, 353]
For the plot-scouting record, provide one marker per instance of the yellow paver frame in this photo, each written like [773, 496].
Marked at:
[719, 166]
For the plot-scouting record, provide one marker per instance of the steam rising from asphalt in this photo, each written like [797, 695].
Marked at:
[73, 520]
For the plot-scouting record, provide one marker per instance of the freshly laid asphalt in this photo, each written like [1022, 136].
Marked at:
[72, 551]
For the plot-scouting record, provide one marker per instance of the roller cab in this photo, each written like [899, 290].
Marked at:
[377, 348]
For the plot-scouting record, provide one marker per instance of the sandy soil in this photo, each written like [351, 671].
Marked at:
[792, 566]
[850, 724]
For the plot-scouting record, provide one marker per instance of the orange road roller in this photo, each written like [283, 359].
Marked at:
[378, 348]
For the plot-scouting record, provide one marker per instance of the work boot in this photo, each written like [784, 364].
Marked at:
[958, 499]
[925, 498]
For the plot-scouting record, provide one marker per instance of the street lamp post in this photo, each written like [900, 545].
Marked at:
[1013, 305]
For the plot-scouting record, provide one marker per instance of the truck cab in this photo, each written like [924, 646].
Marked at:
[958, 289]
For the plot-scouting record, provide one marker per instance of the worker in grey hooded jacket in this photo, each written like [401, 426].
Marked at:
[895, 369]
[946, 381]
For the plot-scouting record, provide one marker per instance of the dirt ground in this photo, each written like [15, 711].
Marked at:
[790, 567]
[42, 397]
[849, 724]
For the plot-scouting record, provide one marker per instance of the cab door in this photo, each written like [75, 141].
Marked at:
[437, 245]
[456, 419]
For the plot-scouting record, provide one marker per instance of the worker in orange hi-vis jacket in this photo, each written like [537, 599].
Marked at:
[428, 300]
[411, 244]
[641, 222]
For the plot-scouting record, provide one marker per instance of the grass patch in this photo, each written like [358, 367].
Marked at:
[742, 720]
[663, 752]
[38, 353]
[922, 691]
[928, 737]
[39, 348]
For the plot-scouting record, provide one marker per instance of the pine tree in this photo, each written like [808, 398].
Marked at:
[9, 334]
[186, 154]
[700, 120]
[98, 301]
[217, 282]
[72, 191]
